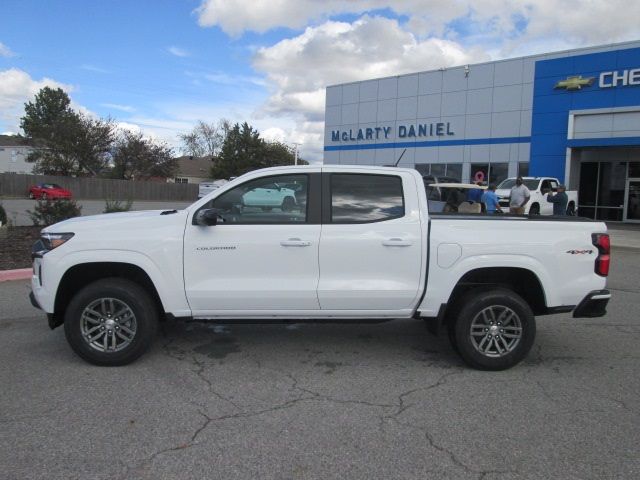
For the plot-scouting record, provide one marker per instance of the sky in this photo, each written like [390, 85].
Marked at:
[159, 66]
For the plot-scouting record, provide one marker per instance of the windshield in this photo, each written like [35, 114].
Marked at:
[532, 184]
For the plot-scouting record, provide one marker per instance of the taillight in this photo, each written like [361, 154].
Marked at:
[602, 242]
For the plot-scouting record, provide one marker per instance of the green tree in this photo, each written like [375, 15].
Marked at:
[243, 150]
[66, 142]
[279, 153]
[139, 158]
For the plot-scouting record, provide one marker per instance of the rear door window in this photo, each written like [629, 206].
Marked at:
[364, 198]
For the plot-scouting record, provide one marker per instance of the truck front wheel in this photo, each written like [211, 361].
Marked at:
[494, 329]
[111, 322]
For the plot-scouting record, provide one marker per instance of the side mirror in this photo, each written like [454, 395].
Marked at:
[207, 217]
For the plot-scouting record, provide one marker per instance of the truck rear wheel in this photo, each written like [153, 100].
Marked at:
[111, 322]
[494, 329]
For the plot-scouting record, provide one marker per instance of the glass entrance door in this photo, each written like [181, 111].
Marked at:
[632, 207]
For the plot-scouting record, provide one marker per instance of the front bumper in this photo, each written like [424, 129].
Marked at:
[34, 302]
[593, 305]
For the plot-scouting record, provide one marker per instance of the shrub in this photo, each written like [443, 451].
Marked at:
[113, 206]
[48, 212]
[3, 215]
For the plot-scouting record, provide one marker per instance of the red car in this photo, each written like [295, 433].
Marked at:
[49, 190]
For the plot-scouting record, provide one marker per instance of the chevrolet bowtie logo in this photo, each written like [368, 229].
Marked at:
[575, 83]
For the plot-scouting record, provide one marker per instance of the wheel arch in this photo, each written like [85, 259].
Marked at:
[522, 281]
[83, 274]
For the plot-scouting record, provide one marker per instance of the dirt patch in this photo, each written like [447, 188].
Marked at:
[15, 246]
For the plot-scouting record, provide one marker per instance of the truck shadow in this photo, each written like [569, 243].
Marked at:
[326, 345]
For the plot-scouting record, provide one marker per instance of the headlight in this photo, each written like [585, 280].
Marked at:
[53, 240]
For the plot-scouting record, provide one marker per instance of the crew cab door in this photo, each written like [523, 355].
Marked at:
[371, 246]
[259, 257]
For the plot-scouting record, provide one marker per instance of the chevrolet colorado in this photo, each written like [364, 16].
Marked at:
[357, 244]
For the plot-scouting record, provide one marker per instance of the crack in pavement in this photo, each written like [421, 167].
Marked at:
[451, 454]
[199, 372]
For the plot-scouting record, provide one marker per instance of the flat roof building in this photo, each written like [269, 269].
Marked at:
[574, 115]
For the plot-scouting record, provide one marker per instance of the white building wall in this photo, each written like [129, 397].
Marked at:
[14, 160]
[491, 101]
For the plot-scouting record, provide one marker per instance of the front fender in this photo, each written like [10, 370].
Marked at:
[168, 283]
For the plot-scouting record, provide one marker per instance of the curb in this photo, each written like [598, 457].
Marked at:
[19, 274]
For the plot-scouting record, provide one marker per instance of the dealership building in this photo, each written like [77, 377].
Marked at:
[574, 115]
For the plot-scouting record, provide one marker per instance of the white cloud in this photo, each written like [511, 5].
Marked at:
[93, 68]
[428, 35]
[178, 52]
[581, 21]
[16, 88]
[6, 51]
[117, 106]
[131, 127]
[300, 68]
[228, 79]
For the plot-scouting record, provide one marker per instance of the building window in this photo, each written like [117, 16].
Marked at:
[181, 180]
[523, 169]
[489, 172]
[498, 172]
[479, 172]
[451, 170]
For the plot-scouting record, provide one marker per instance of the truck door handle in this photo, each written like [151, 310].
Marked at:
[294, 242]
[397, 242]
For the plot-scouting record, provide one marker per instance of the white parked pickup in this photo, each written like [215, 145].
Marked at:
[357, 244]
[539, 188]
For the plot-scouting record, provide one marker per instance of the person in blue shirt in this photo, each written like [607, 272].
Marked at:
[490, 200]
[559, 200]
[475, 194]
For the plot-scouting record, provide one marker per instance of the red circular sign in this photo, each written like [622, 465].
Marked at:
[479, 176]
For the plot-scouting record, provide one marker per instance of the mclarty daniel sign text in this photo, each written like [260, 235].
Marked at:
[436, 129]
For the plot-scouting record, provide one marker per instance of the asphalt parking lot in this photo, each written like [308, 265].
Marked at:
[324, 401]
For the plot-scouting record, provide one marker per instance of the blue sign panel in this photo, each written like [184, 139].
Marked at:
[581, 82]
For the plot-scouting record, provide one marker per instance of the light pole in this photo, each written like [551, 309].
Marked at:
[295, 162]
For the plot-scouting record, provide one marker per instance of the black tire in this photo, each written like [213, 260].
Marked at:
[123, 292]
[571, 209]
[535, 209]
[288, 204]
[499, 303]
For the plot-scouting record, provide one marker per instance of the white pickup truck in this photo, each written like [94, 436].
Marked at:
[358, 245]
[538, 187]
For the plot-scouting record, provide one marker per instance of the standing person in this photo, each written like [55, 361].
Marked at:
[490, 200]
[559, 200]
[475, 194]
[519, 197]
